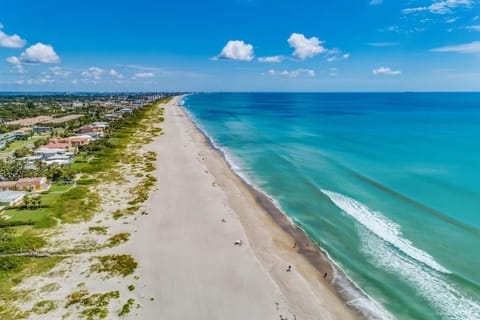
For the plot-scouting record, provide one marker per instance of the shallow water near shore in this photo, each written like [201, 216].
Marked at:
[386, 183]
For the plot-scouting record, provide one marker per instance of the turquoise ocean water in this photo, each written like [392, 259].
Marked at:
[387, 183]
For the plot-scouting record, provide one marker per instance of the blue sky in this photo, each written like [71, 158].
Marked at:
[240, 45]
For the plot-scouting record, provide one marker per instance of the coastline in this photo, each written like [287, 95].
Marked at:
[287, 243]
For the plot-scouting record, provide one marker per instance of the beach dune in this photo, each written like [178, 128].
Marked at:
[207, 250]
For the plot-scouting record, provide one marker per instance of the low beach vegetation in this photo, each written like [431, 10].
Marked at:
[115, 265]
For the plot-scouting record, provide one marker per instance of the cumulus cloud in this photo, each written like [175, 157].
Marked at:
[114, 73]
[292, 73]
[386, 71]
[305, 47]
[271, 59]
[93, 73]
[39, 53]
[140, 75]
[440, 7]
[13, 60]
[472, 47]
[10, 41]
[237, 50]
[17, 64]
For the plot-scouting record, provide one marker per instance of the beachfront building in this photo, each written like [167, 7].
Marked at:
[60, 156]
[33, 184]
[39, 184]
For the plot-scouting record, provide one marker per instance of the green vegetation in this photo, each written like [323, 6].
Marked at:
[98, 230]
[101, 160]
[78, 204]
[142, 190]
[131, 287]
[50, 287]
[126, 307]
[115, 265]
[64, 202]
[118, 239]
[20, 144]
[10, 242]
[93, 306]
[44, 307]
[16, 268]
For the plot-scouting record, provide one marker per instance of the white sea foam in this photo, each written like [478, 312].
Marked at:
[356, 297]
[383, 228]
[450, 303]
[379, 235]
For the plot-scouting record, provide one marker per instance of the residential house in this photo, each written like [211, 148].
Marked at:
[101, 124]
[33, 184]
[26, 184]
[7, 185]
[41, 130]
[90, 128]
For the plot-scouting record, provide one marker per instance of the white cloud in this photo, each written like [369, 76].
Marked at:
[10, 41]
[114, 73]
[472, 47]
[305, 47]
[386, 71]
[139, 75]
[338, 56]
[17, 64]
[93, 73]
[375, 2]
[271, 59]
[474, 27]
[440, 7]
[13, 60]
[237, 50]
[59, 72]
[39, 53]
[292, 73]
[451, 20]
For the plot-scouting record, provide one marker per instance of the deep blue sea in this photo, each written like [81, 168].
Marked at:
[388, 184]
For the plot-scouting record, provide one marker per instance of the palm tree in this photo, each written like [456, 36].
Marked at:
[27, 201]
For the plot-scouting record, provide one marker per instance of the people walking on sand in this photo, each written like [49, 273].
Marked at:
[289, 268]
[325, 276]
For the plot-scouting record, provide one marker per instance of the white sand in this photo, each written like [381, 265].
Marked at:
[187, 256]
[189, 267]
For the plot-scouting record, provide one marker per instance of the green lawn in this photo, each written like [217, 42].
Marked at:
[18, 144]
[59, 188]
[43, 216]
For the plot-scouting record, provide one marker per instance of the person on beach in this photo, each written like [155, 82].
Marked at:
[289, 268]
[325, 276]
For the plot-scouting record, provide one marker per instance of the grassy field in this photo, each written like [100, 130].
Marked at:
[18, 144]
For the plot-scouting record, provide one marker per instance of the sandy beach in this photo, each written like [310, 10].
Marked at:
[208, 246]
[186, 245]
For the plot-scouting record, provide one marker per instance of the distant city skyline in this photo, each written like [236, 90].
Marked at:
[240, 45]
